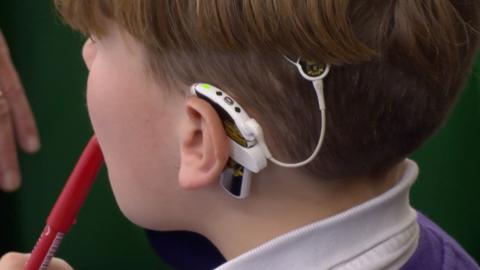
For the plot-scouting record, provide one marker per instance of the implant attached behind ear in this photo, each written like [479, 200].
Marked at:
[248, 150]
[246, 156]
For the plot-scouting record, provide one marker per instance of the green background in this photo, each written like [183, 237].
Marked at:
[47, 56]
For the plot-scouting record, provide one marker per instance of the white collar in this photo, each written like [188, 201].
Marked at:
[381, 233]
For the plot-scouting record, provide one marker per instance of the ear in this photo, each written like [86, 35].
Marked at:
[204, 146]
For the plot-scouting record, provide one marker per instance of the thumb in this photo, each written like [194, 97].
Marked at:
[59, 264]
[17, 261]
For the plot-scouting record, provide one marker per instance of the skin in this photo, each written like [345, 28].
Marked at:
[165, 152]
[17, 124]
[14, 260]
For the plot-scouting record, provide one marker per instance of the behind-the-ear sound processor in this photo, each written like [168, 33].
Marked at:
[248, 150]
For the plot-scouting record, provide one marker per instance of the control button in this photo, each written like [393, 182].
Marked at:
[237, 109]
[219, 93]
[228, 100]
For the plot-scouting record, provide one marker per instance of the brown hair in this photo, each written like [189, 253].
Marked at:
[397, 66]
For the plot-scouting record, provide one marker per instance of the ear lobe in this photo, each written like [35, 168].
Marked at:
[204, 147]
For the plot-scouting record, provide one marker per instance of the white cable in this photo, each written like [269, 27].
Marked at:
[318, 85]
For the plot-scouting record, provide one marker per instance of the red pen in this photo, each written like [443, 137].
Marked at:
[67, 206]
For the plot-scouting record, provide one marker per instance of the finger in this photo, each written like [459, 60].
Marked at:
[9, 172]
[59, 264]
[17, 261]
[13, 261]
[11, 86]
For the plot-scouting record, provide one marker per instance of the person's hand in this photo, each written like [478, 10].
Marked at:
[16, 261]
[17, 124]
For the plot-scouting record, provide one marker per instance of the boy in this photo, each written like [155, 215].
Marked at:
[396, 68]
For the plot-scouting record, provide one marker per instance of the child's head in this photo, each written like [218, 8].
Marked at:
[397, 68]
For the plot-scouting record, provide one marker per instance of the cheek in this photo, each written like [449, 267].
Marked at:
[139, 142]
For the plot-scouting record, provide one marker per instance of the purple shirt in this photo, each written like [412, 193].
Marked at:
[437, 250]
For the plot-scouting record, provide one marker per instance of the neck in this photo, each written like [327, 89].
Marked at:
[282, 200]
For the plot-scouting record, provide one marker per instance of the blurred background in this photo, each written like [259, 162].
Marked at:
[47, 56]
